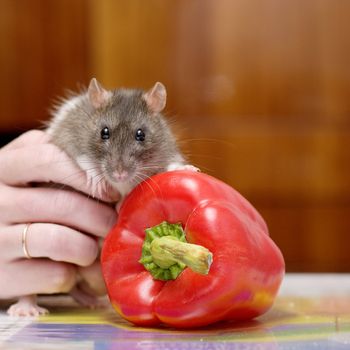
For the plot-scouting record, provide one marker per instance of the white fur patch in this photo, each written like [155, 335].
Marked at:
[93, 174]
[124, 188]
[62, 112]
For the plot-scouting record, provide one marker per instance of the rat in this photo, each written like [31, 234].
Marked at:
[118, 138]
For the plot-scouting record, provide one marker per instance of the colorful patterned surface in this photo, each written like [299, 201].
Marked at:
[313, 321]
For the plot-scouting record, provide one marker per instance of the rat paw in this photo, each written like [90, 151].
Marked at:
[179, 166]
[190, 168]
[26, 309]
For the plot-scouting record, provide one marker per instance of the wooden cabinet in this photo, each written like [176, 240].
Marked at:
[259, 92]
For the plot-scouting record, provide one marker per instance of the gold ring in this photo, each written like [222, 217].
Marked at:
[24, 241]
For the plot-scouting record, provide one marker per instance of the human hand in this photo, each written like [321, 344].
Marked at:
[64, 225]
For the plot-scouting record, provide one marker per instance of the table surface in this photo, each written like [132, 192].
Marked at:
[312, 311]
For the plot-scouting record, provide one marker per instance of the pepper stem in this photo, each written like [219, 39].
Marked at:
[165, 252]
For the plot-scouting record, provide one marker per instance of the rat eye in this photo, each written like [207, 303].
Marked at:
[105, 133]
[140, 135]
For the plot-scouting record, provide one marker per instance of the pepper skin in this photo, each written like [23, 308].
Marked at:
[247, 267]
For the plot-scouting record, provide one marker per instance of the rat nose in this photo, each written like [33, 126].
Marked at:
[120, 175]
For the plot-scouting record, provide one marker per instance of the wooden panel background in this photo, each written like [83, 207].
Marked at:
[259, 91]
[43, 51]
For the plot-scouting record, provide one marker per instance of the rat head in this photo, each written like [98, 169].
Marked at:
[131, 139]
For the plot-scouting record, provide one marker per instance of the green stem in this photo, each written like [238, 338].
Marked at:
[165, 252]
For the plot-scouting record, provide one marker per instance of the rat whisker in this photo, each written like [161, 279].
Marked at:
[204, 139]
[140, 182]
[199, 155]
[144, 179]
[98, 184]
[154, 169]
[149, 178]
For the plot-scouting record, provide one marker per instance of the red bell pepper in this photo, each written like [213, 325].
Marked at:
[233, 271]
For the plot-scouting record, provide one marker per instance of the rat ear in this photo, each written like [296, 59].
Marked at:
[98, 95]
[156, 98]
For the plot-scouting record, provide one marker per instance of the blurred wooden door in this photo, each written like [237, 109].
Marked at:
[43, 51]
[259, 89]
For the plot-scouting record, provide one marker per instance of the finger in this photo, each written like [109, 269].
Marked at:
[56, 242]
[68, 208]
[36, 276]
[30, 137]
[46, 163]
